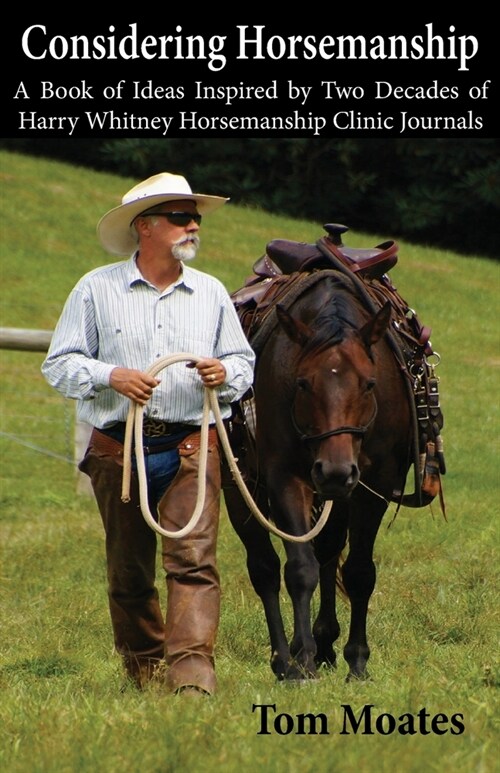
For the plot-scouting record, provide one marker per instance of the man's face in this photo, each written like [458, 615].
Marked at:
[180, 241]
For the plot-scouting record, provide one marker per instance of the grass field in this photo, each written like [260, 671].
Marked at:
[433, 621]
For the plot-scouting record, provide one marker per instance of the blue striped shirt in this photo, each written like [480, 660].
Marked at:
[115, 318]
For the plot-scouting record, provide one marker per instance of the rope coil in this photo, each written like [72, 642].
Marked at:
[210, 403]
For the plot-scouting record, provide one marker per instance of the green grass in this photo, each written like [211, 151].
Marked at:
[433, 617]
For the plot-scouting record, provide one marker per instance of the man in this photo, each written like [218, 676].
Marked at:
[116, 322]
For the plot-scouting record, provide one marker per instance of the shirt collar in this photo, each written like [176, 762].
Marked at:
[134, 275]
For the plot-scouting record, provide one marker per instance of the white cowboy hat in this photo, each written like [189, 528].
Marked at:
[115, 229]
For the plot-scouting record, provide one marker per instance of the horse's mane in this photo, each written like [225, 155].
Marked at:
[335, 318]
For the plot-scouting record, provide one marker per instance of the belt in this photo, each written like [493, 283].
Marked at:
[185, 437]
[152, 428]
[155, 428]
[158, 428]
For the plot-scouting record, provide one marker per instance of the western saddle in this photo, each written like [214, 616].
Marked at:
[283, 272]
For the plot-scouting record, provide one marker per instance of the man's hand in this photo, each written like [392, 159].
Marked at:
[134, 384]
[211, 370]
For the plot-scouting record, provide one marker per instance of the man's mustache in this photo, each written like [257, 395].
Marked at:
[192, 239]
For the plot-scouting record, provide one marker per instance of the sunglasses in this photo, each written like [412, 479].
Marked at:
[177, 218]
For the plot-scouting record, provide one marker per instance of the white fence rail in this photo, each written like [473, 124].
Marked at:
[24, 340]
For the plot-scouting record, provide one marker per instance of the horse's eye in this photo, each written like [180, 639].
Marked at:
[303, 384]
[370, 384]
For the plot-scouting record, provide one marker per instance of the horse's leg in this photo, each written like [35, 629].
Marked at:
[328, 547]
[265, 573]
[289, 502]
[358, 575]
[301, 578]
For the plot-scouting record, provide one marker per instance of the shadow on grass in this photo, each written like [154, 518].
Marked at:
[43, 667]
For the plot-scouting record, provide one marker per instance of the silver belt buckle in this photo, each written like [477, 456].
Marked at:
[154, 427]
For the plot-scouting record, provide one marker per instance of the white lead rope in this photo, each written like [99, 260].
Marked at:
[134, 426]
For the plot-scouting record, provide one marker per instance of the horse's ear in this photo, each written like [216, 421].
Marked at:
[376, 327]
[296, 330]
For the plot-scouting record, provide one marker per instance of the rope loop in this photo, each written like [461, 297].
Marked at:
[210, 404]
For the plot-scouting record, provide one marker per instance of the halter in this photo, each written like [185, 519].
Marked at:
[344, 429]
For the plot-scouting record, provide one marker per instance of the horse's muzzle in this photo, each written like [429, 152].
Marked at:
[334, 481]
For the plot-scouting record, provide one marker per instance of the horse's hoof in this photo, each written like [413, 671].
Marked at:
[278, 667]
[358, 676]
[326, 658]
[325, 666]
[297, 673]
[298, 680]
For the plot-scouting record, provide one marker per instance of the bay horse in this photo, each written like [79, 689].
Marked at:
[332, 423]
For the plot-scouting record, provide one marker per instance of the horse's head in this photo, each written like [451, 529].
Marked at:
[334, 402]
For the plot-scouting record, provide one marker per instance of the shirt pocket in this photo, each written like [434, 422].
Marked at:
[125, 344]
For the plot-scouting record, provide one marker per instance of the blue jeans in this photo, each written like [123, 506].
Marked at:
[161, 469]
